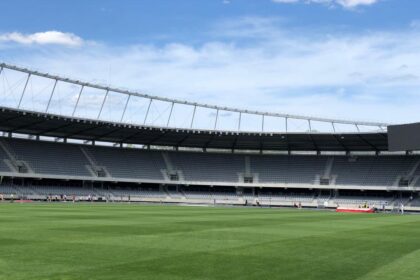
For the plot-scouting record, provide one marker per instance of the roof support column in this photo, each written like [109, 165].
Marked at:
[77, 102]
[217, 117]
[262, 123]
[333, 126]
[51, 96]
[239, 121]
[286, 122]
[193, 116]
[24, 89]
[103, 103]
[125, 108]
[170, 114]
[310, 126]
[147, 112]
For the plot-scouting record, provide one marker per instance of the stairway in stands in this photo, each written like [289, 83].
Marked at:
[19, 166]
[171, 171]
[95, 168]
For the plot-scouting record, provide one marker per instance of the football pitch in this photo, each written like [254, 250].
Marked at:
[122, 241]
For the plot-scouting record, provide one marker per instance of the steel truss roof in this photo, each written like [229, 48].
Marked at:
[375, 126]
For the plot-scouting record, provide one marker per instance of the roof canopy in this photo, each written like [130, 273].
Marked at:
[26, 89]
[46, 124]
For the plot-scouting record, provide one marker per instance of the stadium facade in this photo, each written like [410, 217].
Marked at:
[63, 137]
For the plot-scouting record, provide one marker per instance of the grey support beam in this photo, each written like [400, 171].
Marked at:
[125, 108]
[262, 123]
[77, 102]
[170, 114]
[103, 103]
[193, 116]
[217, 118]
[147, 112]
[24, 90]
[239, 121]
[51, 96]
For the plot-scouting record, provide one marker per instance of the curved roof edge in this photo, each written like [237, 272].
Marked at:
[378, 125]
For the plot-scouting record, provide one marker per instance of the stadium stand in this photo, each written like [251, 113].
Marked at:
[127, 167]
[46, 158]
[288, 169]
[126, 163]
[209, 167]
[49, 158]
[68, 155]
[371, 171]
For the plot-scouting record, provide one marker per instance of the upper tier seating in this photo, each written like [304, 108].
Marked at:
[130, 163]
[371, 170]
[50, 157]
[58, 159]
[209, 167]
[288, 169]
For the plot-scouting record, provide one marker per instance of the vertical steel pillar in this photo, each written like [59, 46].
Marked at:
[125, 108]
[262, 123]
[51, 96]
[147, 112]
[239, 121]
[193, 116]
[310, 127]
[77, 102]
[285, 119]
[1, 70]
[333, 126]
[170, 114]
[358, 130]
[103, 103]
[24, 89]
[217, 117]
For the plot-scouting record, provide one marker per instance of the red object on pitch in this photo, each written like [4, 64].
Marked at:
[354, 210]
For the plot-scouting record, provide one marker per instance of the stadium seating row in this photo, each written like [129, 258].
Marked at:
[122, 193]
[50, 158]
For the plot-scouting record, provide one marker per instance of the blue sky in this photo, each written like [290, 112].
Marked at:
[356, 59]
[188, 21]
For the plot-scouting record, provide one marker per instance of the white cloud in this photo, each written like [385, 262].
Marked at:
[355, 3]
[43, 38]
[348, 4]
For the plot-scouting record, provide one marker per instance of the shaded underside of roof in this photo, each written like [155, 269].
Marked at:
[43, 124]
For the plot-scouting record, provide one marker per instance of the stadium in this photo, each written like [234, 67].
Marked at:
[209, 140]
[122, 161]
[90, 174]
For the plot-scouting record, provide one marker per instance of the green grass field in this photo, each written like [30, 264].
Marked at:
[115, 241]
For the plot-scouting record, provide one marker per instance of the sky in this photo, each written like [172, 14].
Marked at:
[347, 59]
